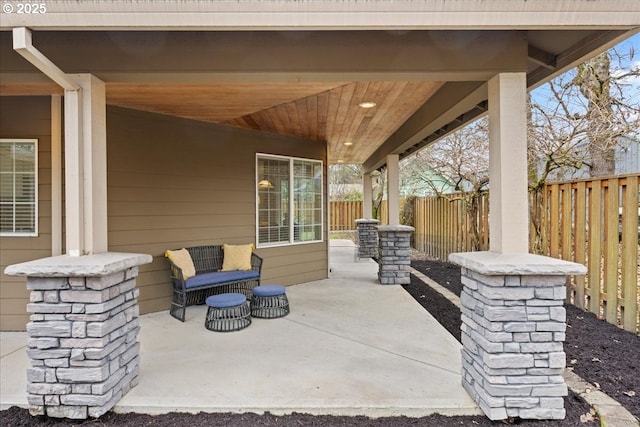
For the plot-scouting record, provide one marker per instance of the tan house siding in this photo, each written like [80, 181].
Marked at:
[25, 117]
[171, 183]
[175, 182]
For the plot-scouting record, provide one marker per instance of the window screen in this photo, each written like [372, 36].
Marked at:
[18, 187]
[289, 200]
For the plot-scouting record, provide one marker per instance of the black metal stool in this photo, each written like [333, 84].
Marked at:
[269, 302]
[227, 312]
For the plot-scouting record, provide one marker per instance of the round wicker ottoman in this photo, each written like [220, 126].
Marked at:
[227, 312]
[269, 302]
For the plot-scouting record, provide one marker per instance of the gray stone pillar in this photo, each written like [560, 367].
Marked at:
[367, 237]
[513, 329]
[82, 338]
[394, 254]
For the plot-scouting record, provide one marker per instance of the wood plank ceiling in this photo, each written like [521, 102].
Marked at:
[319, 111]
[326, 111]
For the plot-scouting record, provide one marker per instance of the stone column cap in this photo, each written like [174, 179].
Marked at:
[520, 264]
[396, 228]
[367, 221]
[78, 266]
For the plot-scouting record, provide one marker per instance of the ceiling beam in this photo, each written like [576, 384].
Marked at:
[449, 108]
[209, 57]
[541, 57]
[584, 49]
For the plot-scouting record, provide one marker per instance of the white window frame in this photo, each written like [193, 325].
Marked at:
[291, 241]
[36, 196]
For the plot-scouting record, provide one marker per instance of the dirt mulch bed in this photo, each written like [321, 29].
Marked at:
[599, 352]
[16, 417]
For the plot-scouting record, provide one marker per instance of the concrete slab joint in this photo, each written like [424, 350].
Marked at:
[513, 329]
[82, 342]
[394, 254]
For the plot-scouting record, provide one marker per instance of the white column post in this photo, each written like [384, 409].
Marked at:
[367, 196]
[508, 201]
[73, 172]
[86, 167]
[393, 188]
[56, 175]
[94, 141]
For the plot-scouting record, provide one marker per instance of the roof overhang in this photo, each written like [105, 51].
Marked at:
[289, 45]
[327, 15]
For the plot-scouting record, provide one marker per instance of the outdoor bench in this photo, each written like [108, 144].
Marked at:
[209, 279]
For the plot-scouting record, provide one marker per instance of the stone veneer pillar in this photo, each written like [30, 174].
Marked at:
[513, 329]
[394, 254]
[367, 237]
[82, 338]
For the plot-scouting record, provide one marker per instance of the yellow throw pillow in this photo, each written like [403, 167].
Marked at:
[182, 259]
[236, 257]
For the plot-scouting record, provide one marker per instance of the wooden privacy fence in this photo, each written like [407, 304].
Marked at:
[592, 222]
[343, 215]
[595, 222]
[444, 224]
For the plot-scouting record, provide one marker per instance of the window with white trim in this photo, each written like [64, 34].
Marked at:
[289, 200]
[18, 187]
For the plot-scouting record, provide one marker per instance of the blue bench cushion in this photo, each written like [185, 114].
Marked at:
[219, 277]
[226, 300]
[268, 290]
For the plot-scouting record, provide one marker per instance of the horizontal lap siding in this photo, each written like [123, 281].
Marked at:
[26, 118]
[174, 183]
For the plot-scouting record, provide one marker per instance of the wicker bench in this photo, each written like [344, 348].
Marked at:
[208, 280]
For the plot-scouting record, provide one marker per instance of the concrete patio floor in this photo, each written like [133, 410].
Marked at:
[350, 346]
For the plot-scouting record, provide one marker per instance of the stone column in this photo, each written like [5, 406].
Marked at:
[367, 237]
[513, 329]
[394, 258]
[82, 338]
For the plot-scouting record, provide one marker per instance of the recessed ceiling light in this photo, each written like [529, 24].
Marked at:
[348, 143]
[340, 161]
[367, 104]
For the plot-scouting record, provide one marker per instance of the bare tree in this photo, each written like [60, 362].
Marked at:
[379, 183]
[577, 118]
[345, 181]
[609, 108]
[463, 159]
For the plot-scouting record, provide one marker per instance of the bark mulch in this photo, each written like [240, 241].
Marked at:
[578, 412]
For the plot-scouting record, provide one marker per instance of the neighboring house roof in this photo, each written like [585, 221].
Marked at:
[627, 160]
[428, 184]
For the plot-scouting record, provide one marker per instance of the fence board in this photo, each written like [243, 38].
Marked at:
[554, 221]
[610, 285]
[630, 291]
[580, 213]
[595, 253]
[566, 231]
